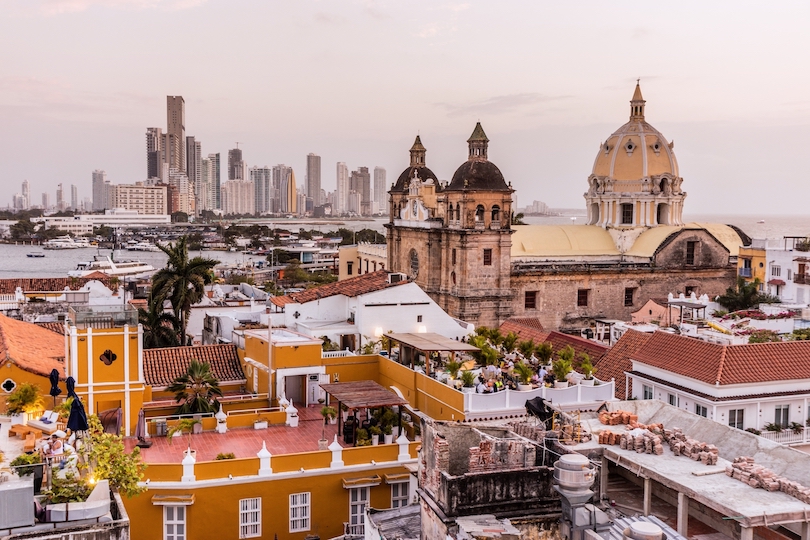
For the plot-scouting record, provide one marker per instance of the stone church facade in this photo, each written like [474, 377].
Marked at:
[457, 240]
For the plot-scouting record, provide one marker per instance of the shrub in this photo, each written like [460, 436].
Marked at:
[25, 459]
[524, 371]
[468, 378]
[67, 490]
[754, 431]
[25, 398]
[228, 455]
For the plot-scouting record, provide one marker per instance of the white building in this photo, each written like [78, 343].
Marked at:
[140, 198]
[342, 190]
[237, 197]
[355, 311]
[117, 217]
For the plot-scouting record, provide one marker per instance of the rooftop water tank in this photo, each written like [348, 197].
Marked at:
[643, 530]
[574, 472]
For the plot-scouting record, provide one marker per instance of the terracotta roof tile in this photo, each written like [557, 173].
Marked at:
[356, 286]
[618, 359]
[57, 327]
[529, 328]
[162, 366]
[31, 347]
[9, 285]
[727, 364]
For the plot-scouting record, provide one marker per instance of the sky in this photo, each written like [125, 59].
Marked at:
[356, 80]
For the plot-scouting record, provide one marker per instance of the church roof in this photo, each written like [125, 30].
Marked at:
[478, 134]
[650, 240]
[417, 145]
[561, 241]
[478, 174]
[423, 173]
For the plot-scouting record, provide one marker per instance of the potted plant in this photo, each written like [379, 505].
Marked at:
[363, 438]
[25, 399]
[453, 367]
[260, 423]
[524, 372]
[344, 410]
[388, 433]
[29, 464]
[184, 425]
[562, 367]
[468, 382]
[329, 414]
[544, 352]
[375, 432]
[226, 455]
[586, 366]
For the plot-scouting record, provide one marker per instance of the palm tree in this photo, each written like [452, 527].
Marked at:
[182, 282]
[197, 389]
[159, 327]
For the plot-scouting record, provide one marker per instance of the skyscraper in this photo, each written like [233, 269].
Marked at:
[46, 201]
[380, 195]
[26, 194]
[60, 198]
[100, 189]
[314, 179]
[284, 183]
[154, 155]
[215, 181]
[342, 188]
[74, 197]
[360, 182]
[235, 164]
[176, 131]
[205, 195]
[262, 179]
[194, 166]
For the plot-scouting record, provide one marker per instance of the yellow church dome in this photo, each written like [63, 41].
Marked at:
[635, 151]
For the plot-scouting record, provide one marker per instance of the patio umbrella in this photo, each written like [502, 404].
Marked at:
[140, 431]
[77, 421]
[55, 390]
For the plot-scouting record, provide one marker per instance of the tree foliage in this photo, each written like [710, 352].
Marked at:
[764, 336]
[197, 389]
[160, 328]
[744, 296]
[106, 458]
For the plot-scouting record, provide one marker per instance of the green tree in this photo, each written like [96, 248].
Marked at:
[179, 217]
[159, 327]
[744, 296]
[22, 230]
[517, 219]
[197, 389]
[182, 282]
[106, 458]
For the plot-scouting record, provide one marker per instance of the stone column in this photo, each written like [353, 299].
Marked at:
[746, 533]
[604, 472]
[683, 514]
[648, 496]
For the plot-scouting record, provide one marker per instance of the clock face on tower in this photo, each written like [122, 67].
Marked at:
[414, 258]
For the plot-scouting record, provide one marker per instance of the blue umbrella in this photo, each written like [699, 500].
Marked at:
[55, 390]
[77, 421]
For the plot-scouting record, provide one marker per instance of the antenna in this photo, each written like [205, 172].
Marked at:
[237, 145]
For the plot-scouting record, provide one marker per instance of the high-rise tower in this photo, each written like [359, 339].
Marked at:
[194, 167]
[215, 181]
[342, 188]
[235, 167]
[26, 194]
[380, 195]
[154, 154]
[176, 132]
[314, 179]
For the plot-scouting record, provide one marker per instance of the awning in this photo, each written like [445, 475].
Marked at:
[429, 342]
[363, 481]
[363, 394]
[173, 500]
[778, 282]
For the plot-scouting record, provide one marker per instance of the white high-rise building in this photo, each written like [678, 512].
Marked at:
[141, 198]
[215, 182]
[380, 194]
[26, 194]
[342, 188]
[205, 195]
[313, 183]
[46, 201]
[262, 179]
[238, 197]
[74, 197]
[100, 190]
[194, 166]
[185, 192]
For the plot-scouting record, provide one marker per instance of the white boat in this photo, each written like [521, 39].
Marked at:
[143, 246]
[66, 242]
[107, 266]
[35, 255]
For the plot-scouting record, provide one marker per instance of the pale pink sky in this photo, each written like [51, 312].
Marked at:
[354, 81]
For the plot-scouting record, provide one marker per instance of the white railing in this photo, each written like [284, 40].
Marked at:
[514, 399]
[337, 354]
[787, 436]
[353, 531]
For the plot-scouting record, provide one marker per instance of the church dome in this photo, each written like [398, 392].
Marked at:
[635, 151]
[478, 173]
[417, 166]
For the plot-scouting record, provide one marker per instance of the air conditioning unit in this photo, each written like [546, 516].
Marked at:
[396, 277]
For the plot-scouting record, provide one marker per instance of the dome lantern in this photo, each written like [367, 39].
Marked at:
[637, 104]
[478, 143]
[418, 153]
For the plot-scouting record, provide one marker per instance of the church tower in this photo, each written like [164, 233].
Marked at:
[454, 240]
[635, 183]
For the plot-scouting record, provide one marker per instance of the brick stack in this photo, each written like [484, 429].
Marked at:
[745, 470]
[642, 441]
[608, 437]
[615, 418]
[681, 445]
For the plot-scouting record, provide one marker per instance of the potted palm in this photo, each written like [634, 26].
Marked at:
[524, 372]
[363, 438]
[24, 400]
[468, 381]
[544, 351]
[453, 367]
[586, 366]
[329, 414]
[184, 425]
[388, 433]
[375, 432]
[562, 367]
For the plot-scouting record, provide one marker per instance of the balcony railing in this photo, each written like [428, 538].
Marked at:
[353, 531]
[508, 400]
[745, 272]
[801, 279]
[787, 436]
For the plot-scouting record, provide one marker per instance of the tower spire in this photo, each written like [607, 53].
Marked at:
[637, 103]
[478, 143]
[418, 153]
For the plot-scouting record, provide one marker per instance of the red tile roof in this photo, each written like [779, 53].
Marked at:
[727, 364]
[31, 347]
[525, 328]
[57, 327]
[617, 360]
[529, 328]
[356, 286]
[162, 366]
[9, 285]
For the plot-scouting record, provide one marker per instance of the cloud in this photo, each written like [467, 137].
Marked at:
[58, 7]
[372, 10]
[328, 18]
[499, 104]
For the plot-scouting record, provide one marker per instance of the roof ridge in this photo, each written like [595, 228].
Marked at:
[721, 365]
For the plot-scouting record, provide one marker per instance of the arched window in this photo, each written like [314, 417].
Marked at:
[496, 213]
[458, 212]
[479, 213]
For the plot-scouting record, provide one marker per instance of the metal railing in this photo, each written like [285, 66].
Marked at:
[787, 436]
[745, 272]
[337, 354]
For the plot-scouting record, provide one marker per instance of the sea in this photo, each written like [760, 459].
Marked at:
[14, 262]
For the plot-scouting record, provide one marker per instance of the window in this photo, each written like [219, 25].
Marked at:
[530, 300]
[453, 256]
[674, 400]
[735, 418]
[418, 318]
[776, 271]
[582, 297]
[399, 494]
[250, 518]
[782, 415]
[700, 410]
[358, 500]
[174, 523]
[628, 296]
[366, 266]
[627, 214]
[487, 257]
[479, 213]
[299, 512]
[647, 392]
[689, 289]
[349, 266]
[789, 274]
[496, 213]
[690, 252]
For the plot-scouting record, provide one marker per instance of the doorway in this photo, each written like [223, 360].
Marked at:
[294, 388]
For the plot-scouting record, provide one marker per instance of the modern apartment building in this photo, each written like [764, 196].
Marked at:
[264, 192]
[194, 165]
[154, 154]
[26, 194]
[342, 193]
[235, 166]
[215, 181]
[380, 193]
[360, 182]
[314, 179]
[175, 154]
[101, 190]
[139, 197]
[74, 197]
[237, 197]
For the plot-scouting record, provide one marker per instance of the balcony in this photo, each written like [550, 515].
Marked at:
[788, 436]
[103, 316]
[745, 272]
[801, 279]
[514, 402]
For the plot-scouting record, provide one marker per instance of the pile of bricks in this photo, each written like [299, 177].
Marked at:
[616, 418]
[681, 445]
[608, 437]
[531, 431]
[642, 441]
[745, 470]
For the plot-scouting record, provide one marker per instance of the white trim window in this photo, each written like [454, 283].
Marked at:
[250, 518]
[701, 410]
[299, 512]
[647, 392]
[174, 523]
[400, 494]
[358, 500]
[736, 418]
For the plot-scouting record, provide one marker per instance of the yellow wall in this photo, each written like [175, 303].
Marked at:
[759, 264]
[435, 399]
[20, 376]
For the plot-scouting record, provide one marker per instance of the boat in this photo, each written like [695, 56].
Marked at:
[761, 221]
[35, 255]
[107, 266]
[143, 246]
[66, 242]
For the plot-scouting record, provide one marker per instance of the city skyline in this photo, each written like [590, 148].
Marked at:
[545, 89]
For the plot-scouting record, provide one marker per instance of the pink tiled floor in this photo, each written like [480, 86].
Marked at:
[243, 442]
